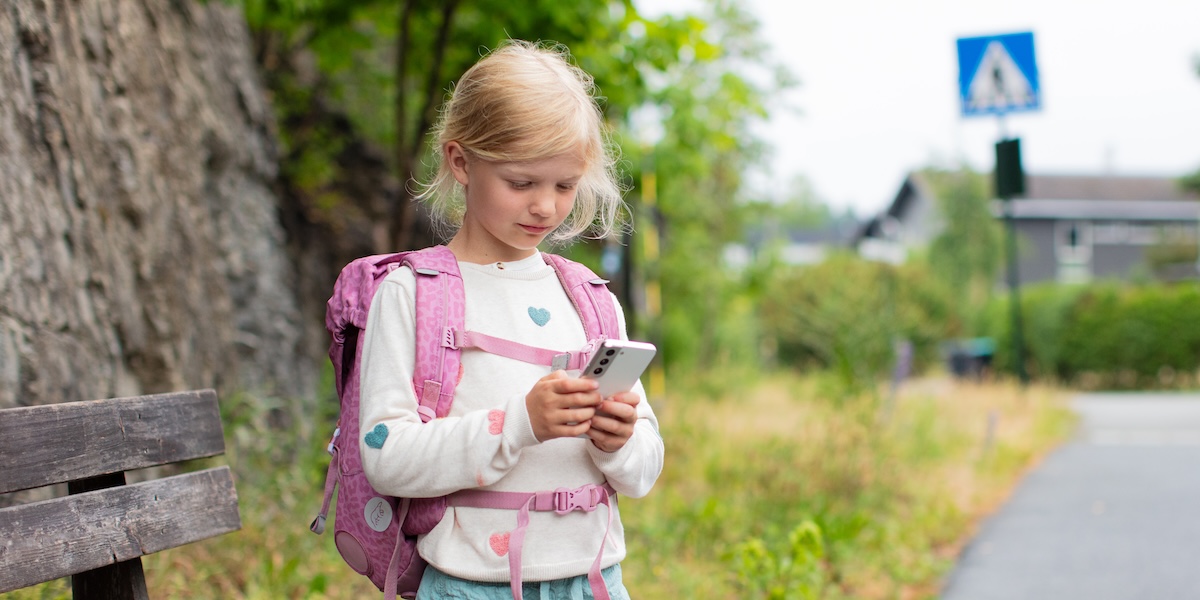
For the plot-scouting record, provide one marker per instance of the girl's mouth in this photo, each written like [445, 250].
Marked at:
[535, 229]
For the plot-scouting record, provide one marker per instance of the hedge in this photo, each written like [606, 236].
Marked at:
[1104, 334]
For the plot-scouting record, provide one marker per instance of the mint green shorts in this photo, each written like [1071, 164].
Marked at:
[436, 585]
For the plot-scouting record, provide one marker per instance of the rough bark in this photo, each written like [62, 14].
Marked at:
[141, 249]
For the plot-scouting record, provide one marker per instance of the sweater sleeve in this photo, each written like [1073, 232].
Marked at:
[401, 456]
[634, 468]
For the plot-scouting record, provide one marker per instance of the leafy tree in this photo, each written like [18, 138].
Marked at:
[967, 254]
[382, 69]
[352, 78]
[843, 315]
[709, 100]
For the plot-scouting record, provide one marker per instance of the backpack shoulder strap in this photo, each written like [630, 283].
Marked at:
[440, 308]
[589, 293]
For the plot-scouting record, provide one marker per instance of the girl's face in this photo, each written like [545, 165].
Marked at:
[511, 207]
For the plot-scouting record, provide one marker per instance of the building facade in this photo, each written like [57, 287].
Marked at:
[1070, 228]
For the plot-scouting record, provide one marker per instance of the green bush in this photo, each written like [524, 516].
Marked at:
[1103, 335]
[846, 313]
[1045, 310]
[793, 569]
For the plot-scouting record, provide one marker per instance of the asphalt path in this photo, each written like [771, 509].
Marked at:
[1112, 515]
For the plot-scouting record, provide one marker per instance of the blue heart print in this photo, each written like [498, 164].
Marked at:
[376, 437]
[540, 316]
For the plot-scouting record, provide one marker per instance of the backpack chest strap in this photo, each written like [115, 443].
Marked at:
[562, 501]
[457, 339]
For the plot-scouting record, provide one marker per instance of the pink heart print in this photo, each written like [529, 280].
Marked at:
[499, 543]
[495, 422]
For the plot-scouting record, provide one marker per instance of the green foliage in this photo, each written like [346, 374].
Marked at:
[967, 253]
[59, 589]
[845, 314]
[1045, 310]
[344, 73]
[709, 104]
[1105, 334]
[791, 572]
[1168, 255]
[369, 76]
[1191, 182]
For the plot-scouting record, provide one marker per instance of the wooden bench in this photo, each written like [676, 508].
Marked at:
[99, 532]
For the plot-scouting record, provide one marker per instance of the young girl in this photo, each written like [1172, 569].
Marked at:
[521, 146]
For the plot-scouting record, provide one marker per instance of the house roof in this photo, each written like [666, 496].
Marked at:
[914, 185]
[1104, 187]
[1105, 197]
[1052, 196]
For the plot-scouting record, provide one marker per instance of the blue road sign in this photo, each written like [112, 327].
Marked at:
[997, 74]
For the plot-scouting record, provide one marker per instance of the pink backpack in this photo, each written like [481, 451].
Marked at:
[377, 534]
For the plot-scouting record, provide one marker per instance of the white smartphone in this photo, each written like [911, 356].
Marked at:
[617, 365]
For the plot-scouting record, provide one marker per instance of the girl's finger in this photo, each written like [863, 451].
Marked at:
[572, 385]
[575, 415]
[583, 399]
[618, 410]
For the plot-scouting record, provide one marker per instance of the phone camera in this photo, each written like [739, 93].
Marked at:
[604, 361]
[610, 352]
[598, 371]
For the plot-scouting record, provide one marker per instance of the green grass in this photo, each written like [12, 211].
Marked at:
[770, 491]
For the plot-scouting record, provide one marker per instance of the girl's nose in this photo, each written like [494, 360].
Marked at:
[543, 204]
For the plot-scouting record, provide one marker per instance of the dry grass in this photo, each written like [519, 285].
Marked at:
[896, 496]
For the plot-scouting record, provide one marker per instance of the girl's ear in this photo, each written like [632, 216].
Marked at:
[456, 159]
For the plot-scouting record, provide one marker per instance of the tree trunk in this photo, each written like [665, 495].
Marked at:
[141, 249]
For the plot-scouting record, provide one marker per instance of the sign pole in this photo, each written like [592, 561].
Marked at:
[1010, 182]
[997, 75]
[1014, 294]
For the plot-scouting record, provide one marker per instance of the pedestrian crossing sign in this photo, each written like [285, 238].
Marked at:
[998, 74]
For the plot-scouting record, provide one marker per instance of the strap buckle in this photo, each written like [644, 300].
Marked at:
[452, 338]
[585, 498]
[336, 432]
[561, 362]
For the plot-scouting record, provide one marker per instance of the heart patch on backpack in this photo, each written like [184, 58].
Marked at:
[376, 437]
[541, 316]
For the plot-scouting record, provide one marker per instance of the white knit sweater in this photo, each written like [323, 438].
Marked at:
[487, 441]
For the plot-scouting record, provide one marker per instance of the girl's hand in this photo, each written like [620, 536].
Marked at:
[613, 424]
[561, 406]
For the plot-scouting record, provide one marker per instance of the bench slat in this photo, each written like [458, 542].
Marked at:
[54, 538]
[45, 445]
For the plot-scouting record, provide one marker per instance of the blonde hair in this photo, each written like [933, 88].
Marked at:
[525, 102]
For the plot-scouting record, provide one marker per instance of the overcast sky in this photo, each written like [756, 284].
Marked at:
[879, 89]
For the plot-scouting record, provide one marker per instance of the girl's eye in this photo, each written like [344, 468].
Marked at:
[520, 185]
[566, 187]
